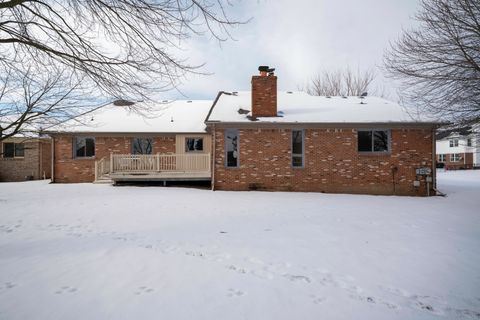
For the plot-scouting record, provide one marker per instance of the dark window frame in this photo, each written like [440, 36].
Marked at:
[14, 150]
[302, 155]
[142, 138]
[469, 142]
[453, 142]
[237, 133]
[372, 151]
[75, 150]
[187, 149]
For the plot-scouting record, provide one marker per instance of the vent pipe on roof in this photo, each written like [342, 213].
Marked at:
[123, 103]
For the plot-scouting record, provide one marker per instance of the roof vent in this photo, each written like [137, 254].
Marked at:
[164, 101]
[344, 97]
[235, 93]
[123, 103]
[328, 97]
[189, 101]
[252, 118]
[242, 111]
[289, 92]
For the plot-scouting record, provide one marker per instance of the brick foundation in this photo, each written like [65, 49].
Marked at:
[332, 163]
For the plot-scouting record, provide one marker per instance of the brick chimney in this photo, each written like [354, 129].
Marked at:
[264, 93]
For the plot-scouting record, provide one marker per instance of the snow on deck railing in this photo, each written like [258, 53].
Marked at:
[150, 163]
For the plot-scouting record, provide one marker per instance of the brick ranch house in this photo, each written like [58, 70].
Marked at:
[25, 158]
[258, 140]
[128, 143]
[291, 141]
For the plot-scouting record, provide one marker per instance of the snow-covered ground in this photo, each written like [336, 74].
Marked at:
[85, 251]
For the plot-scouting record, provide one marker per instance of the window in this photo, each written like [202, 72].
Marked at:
[142, 146]
[453, 143]
[84, 147]
[231, 148]
[373, 140]
[297, 148]
[442, 158]
[13, 150]
[469, 142]
[455, 157]
[193, 144]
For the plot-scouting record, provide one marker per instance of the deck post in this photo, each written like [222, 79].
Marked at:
[158, 161]
[96, 170]
[111, 162]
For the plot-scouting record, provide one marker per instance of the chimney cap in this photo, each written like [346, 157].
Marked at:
[263, 68]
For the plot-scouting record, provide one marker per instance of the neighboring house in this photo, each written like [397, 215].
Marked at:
[23, 158]
[258, 140]
[458, 148]
[291, 141]
[141, 142]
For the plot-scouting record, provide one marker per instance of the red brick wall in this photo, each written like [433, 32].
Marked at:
[70, 169]
[264, 96]
[332, 163]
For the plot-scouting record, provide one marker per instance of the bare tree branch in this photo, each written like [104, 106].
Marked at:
[342, 82]
[438, 64]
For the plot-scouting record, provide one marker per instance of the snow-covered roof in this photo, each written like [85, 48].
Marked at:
[179, 116]
[300, 107]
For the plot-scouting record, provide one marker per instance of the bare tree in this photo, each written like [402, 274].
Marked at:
[341, 82]
[438, 64]
[32, 100]
[56, 56]
[126, 47]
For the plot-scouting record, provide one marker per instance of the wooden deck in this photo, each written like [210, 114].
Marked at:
[157, 167]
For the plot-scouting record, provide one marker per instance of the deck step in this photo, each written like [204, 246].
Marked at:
[103, 181]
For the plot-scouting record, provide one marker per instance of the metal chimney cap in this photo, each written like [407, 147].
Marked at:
[263, 68]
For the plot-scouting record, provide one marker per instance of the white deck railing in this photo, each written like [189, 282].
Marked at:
[151, 163]
[102, 168]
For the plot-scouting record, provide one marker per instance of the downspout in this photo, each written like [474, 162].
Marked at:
[40, 157]
[434, 165]
[213, 156]
[52, 174]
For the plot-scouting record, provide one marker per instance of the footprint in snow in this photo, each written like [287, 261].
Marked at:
[317, 299]
[66, 289]
[237, 269]
[144, 290]
[7, 285]
[296, 278]
[234, 293]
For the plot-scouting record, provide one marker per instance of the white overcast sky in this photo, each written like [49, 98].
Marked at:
[298, 38]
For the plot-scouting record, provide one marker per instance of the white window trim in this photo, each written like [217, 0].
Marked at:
[455, 155]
